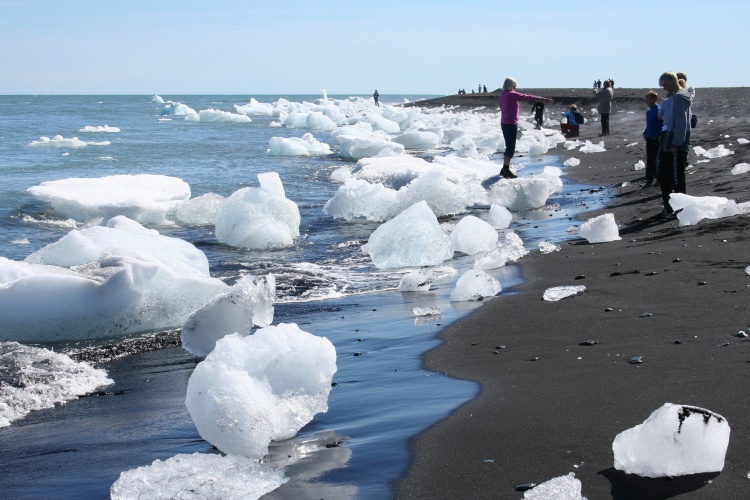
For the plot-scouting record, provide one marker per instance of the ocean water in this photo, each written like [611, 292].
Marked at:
[325, 284]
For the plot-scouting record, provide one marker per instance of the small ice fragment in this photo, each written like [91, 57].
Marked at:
[645, 315]
[571, 162]
[560, 488]
[742, 140]
[741, 168]
[747, 270]
[631, 144]
[639, 165]
[718, 152]
[625, 184]
[548, 247]
[636, 360]
[560, 292]
[427, 311]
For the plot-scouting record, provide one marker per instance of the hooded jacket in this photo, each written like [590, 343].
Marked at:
[678, 128]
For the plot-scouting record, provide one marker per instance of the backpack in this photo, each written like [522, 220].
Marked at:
[579, 117]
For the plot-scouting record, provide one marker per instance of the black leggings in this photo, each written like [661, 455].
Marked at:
[672, 175]
[510, 131]
[605, 123]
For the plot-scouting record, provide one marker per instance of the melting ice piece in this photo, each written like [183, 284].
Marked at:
[499, 217]
[416, 281]
[639, 165]
[600, 229]
[742, 140]
[589, 147]
[144, 198]
[354, 148]
[216, 116]
[475, 285]
[412, 238]
[427, 311]
[741, 168]
[560, 488]
[472, 235]
[718, 152]
[360, 199]
[100, 129]
[246, 304]
[200, 475]
[199, 211]
[266, 386]
[59, 141]
[560, 292]
[417, 140]
[36, 379]
[548, 247]
[572, 162]
[519, 195]
[293, 146]
[675, 440]
[693, 209]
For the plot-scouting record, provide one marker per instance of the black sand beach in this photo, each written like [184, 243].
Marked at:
[550, 406]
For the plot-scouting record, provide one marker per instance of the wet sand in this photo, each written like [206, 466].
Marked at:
[673, 295]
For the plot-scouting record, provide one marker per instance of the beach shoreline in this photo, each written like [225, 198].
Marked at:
[673, 295]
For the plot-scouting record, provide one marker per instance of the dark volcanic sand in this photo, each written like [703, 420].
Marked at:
[550, 406]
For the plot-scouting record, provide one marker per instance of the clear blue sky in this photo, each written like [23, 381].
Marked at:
[353, 47]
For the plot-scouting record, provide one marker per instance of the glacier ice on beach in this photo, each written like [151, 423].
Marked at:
[360, 199]
[357, 147]
[294, 146]
[173, 108]
[600, 229]
[198, 211]
[475, 284]
[499, 216]
[572, 162]
[741, 168]
[548, 247]
[216, 116]
[248, 303]
[472, 235]
[255, 108]
[412, 238]
[145, 198]
[559, 488]
[718, 152]
[510, 248]
[675, 440]
[427, 311]
[522, 194]
[59, 141]
[416, 281]
[693, 209]
[259, 218]
[417, 140]
[263, 387]
[200, 475]
[590, 147]
[639, 165]
[36, 379]
[561, 292]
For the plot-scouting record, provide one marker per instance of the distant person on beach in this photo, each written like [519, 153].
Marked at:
[538, 110]
[575, 119]
[594, 84]
[651, 135]
[598, 84]
[605, 96]
[484, 89]
[509, 107]
[376, 96]
[676, 142]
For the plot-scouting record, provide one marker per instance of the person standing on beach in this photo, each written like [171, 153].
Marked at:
[538, 111]
[509, 106]
[651, 135]
[676, 142]
[605, 96]
[375, 96]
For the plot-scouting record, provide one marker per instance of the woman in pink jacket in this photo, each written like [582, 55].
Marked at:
[509, 105]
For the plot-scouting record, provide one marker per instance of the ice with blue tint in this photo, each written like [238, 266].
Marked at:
[295, 146]
[198, 211]
[475, 284]
[521, 194]
[472, 235]
[217, 116]
[600, 229]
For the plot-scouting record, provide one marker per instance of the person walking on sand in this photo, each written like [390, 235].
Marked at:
[376, 96]
[509, 106]
[605, 96]
[676, 142]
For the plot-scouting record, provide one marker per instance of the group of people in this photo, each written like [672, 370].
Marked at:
[598, 83]
[482, 89]
[667, 136]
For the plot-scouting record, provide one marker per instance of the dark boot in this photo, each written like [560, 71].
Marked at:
[505, 172]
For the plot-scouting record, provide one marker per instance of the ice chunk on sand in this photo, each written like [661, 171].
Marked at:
[560, 292]
[427, 311]
[559, 488]
[294, 146]
[416, 281]
[518, 195]
[718, 152]
[145, 198]
[200, 475]
[472, 235]
[742, 140]
[675, 440]
[199, 211]
[548, 247]
[263, 387]
[258, 219]
[499, 216]
[445, 196]
[475, 284]
[572, 162]
[36, 379]
[693, 209]
[639, 165]
[412, 238]
[248, 303]
[741, 168]
[589, 147]
[600, 229]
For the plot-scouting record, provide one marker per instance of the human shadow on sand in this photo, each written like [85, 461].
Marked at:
[631, 486]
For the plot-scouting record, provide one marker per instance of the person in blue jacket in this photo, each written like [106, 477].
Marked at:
[651, 135]
[676, 141]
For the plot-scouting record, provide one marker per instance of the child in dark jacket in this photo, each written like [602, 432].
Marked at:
[651, 136]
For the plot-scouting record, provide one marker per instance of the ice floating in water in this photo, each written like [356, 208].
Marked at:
[499, 216]
[572, 162]
[246, 304]
[263, 387]
[144, 198]
[741, 168]
[548, 247]
[199, 211]
[600, 229]
[258, 218]
[355, 148]
[560, 292]
[639, 165]
[412, 238]
[675, 440]
[200, 475]
[718, 152]
[59, 141]
[427, 311]
[417, 140]
[176, 108]
[693, 209]
[36, 379]
[560, 488]
[360, 199]
[293, 146]
[255, 108]
[216, 116]
[416, 281]
[472, 235]
[589, 147]
[475, 284]
[100, 128]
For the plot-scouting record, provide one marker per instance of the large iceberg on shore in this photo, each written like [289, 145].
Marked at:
[263, 387]
[412, 238]
[145, 198]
